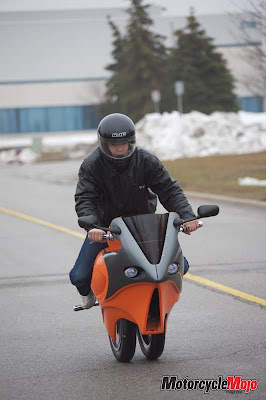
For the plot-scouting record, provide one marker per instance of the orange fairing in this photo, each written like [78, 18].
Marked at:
[100, 279]
[114, 245]
[133, 303]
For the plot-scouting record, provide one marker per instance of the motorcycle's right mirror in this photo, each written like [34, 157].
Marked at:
[208, 211]
[87, 222]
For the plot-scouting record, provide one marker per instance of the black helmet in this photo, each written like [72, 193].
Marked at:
[116, 129]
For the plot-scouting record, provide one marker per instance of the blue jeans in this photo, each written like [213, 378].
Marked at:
[81, 273]
[186, 265]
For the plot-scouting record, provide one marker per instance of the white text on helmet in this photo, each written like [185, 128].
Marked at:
[121, 134]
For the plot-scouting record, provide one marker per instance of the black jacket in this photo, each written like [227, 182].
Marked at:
[104, 191]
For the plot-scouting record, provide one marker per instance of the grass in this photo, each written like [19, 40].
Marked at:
[219, 174]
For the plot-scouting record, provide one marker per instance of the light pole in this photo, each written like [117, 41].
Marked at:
[263, 44]
[179, 91]
[156, 98]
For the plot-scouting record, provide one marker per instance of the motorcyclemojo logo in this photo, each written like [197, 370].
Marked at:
[231, 384]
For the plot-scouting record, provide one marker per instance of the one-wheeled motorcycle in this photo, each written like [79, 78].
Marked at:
[138, 278]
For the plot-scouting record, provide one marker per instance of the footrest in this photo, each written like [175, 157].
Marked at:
[80, 308]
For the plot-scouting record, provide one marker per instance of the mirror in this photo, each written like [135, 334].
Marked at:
[208, 211]
[87, 222]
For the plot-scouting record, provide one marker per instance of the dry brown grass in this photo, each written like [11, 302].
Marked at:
[219, 174]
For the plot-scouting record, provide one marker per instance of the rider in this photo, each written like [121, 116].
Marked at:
[116, 179]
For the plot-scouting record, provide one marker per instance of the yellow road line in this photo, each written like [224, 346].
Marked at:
[41, 222]
[195, 278]
[226, 289]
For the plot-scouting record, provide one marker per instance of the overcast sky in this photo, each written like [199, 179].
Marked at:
[173, 7]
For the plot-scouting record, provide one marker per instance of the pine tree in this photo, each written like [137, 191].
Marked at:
[208, 82]
[140, 63]
[112, 103]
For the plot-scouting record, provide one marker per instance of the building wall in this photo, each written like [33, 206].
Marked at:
[51, 93]
[50, 106]
[52, 74]
[54, 45]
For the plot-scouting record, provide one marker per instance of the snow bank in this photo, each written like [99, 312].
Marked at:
[247, 181]
[167, 135]
[50, 140]
[69, 141]
[28, 149]
[172, 136]
[24, 156]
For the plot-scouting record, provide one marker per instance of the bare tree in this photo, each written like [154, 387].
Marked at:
[252, 28]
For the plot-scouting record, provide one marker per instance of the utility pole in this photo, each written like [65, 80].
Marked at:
[156, 98]
[179, 91]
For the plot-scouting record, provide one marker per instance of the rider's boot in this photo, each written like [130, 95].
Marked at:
[88, 301]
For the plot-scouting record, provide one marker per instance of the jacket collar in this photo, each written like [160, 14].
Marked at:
[114, 172]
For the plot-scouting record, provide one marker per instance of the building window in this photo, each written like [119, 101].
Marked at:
[251, 104]
[248, 24]
[48, 119]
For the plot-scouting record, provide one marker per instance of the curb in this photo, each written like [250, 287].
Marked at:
[226, 199]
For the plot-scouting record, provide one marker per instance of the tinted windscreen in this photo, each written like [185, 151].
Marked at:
[149, 232]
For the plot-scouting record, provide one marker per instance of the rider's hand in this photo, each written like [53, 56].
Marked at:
[191, 226]
[96, 235]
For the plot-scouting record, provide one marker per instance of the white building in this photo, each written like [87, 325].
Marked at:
[52, 71]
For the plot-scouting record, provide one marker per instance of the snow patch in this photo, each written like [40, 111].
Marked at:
[171, 136]
[247, 181]
[24, 156]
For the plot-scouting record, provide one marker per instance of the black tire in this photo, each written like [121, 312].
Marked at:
[152, 346]
[125, 345]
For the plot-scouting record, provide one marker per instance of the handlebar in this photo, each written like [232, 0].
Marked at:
[183, 228]
[109, 236]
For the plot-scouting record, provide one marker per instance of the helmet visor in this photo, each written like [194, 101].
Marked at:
[117, 149]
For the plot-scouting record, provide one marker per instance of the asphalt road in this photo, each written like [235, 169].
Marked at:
[48, 352]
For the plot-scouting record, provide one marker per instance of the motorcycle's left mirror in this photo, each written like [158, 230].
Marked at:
[87, 222]
[208, 211]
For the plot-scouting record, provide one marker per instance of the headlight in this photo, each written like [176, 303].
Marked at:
[131, 272]
[172, 269]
